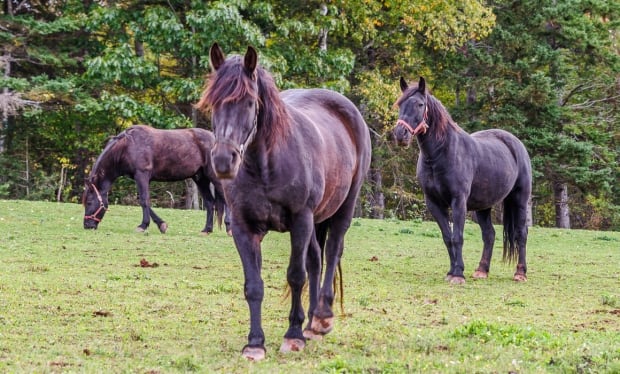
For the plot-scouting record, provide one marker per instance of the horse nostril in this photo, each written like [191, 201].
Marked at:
[233, 157]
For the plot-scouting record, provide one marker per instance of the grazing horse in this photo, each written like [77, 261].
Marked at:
[144, 154]
[460, 172]
[291, 161]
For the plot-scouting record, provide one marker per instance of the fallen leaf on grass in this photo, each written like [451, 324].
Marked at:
[145, 264]
[102, 313]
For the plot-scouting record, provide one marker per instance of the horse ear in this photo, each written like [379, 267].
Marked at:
[217, 56]
[250, 60]
[422, 85]
[403, 84]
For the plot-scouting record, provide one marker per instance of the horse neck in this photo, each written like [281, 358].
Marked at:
[103, 183]
[432, 144]
[105, 172]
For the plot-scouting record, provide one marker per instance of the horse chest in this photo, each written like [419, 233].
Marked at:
[257, 209]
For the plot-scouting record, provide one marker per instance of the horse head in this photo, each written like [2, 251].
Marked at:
[95, 205]
[412, 112]
[234, 100]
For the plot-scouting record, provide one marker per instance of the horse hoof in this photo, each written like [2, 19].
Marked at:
[253, 353]
[479, 274]
[292, 345]
[229, 232]
[457, 280]
[520, 278]
[163, 227]
[312, 335]
[140, 229]
[322, 326]
[205, 233]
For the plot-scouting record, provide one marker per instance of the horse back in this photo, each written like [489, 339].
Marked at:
[336, 134]
[502, 167]
[485, 167]
[167, 155]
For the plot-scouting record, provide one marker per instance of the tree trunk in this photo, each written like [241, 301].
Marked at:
[191, 195]
[5, 92]
[8, 7]
[323, 31]
[377, 199]
[562, 218]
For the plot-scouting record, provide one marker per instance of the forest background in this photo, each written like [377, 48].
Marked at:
[75, 73]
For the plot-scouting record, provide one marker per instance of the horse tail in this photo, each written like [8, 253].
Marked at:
[511, 249]
[338, 279]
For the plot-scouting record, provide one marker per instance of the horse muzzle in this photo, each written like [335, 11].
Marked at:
[225, 159]
[402, 135]
[90, 224]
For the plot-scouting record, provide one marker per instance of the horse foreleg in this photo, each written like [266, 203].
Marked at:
[488, 238]
[459, 210]
[144, 198]
[301, 231]
[441, 216]
[248, 247]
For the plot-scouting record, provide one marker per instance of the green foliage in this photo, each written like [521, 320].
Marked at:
[546, 71]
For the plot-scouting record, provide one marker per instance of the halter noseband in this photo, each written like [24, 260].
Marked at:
[101, 205]
[420, 128]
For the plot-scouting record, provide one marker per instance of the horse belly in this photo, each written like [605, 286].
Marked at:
[337, 182]
[490, 187]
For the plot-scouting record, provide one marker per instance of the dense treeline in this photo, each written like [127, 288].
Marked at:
[77, 72]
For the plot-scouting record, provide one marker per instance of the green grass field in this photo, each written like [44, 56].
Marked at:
[73, 300]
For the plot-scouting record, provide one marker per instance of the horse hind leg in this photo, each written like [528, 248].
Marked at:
[488, 238]
[314, 265]
[145, 202]
[322, 316]
[209, 203]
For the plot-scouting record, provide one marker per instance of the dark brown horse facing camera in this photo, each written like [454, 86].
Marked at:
[147, 154]
[460, 172]
[291, 161]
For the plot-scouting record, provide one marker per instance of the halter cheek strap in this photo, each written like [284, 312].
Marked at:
[248, 139]
[251, 134]
[101, 206]
[420, 128]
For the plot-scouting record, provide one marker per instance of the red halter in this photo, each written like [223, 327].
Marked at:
[101, 206]
[420, 129]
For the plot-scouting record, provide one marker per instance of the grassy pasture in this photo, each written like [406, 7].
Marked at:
[73, 300]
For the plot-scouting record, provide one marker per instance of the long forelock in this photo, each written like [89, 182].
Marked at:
[410, 91]
[230, 83]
